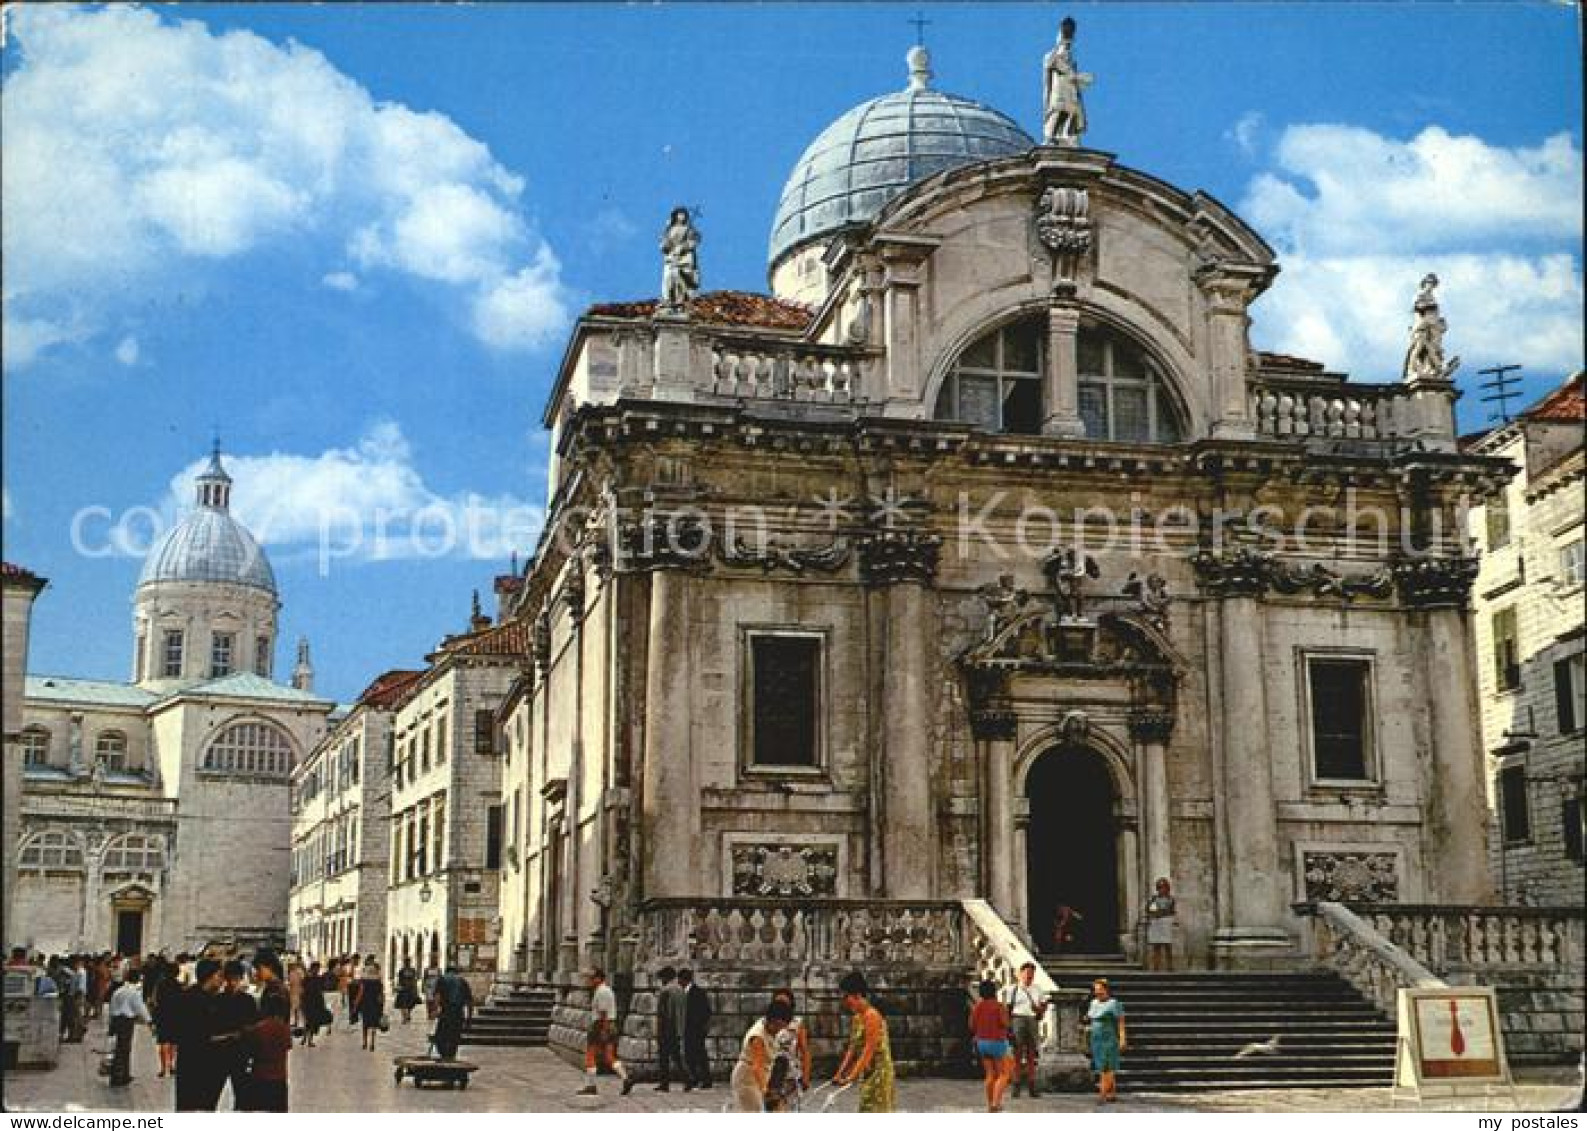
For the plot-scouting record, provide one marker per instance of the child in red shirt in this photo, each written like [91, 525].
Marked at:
[269, 1042]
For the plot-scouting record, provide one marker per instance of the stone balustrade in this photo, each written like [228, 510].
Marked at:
[1363, 955]
[796, 372]
[1346, 411]
[1479, 940]
[801, 933]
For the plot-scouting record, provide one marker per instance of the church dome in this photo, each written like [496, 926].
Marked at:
[209, 544]
[878, 149]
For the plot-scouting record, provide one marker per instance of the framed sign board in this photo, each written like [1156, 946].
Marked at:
[1449, 1037]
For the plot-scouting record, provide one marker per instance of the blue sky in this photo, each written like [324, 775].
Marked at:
[352, 238]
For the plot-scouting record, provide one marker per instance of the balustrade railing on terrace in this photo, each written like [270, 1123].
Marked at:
[803, 371]
[1345, 411]
[1362, 955]
[1475, 940]
[797, 932]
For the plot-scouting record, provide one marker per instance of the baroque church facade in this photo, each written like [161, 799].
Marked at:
[985, 561]
[154, 813]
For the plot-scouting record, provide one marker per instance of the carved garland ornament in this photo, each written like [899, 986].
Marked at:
[772, 554]
[784, 870]
[1063, 225]
[1423, 583]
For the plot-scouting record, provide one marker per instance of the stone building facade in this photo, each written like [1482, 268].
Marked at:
[154, 813]
[985, 559]
[341, 821]
[1530, 617]
[445, 812]
[19, 588]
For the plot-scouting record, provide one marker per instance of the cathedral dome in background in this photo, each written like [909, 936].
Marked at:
[209, 544]
[878, 149]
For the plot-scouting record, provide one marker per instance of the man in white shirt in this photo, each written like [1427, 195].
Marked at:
[127, 1009]
[1026, 1004]
[600, 1046]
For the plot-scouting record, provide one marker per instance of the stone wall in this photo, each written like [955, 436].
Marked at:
[1543, 1013]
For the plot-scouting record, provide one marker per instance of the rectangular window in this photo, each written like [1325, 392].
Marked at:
[1496, 517]
[1570, 826]
[1573, 563]
[261, 657]
[1339, 706]
[1570, 692]
[440, 832]
[440, 740]
[1506, 650]
[220, 649]
[1513, 805]
[493, 837]
[424, 749]
[484, 732]
[785, 674]
[171, 654]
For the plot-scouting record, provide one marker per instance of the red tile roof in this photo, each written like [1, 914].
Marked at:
[388, 688]
[508, 583]
[1568, 402]
[721, 308]
[1287, 361]
[16, 573]
[509, 639]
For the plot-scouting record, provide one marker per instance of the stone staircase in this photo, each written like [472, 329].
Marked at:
[515, 1015]
[1185, 1028]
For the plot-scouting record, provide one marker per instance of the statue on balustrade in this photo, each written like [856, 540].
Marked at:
[1064, 115]
[1424, 360]
[680, 272]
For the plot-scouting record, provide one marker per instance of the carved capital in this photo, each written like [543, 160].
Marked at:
[542, 642]
[891, 556]
[1436, 583]
[1152, 728]
[1242, 572]
[1063, 225]
[664, 541]
[994, 723]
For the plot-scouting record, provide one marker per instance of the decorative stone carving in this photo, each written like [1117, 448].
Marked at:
[1151, 727]
[542, 642]
[1063, 224]
[891, 556]
[1436, 583]
[680, 270]
[1074, 728]
[993, 723]
[1150, 594]
[1004, 603]
[573, 592]
[1351, 877]
[773, 554]
[1424, 359]
[1066, 571]
[678, 541]
[1235, 573]
[772, 870]
[1063, 112]
[1245, 572]
[1324, 582]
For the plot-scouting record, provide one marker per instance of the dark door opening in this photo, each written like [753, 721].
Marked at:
[129, 932]
[1071, 854]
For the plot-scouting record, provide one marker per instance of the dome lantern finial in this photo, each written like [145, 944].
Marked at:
[919, 67]
[213, 484]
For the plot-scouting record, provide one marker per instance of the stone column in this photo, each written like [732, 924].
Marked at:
[905, 562]
[1150, 730]
[1061, 385]
[1458, 815]
[1229, 289]
[994, 727]
[671, 806]
[1129, 884]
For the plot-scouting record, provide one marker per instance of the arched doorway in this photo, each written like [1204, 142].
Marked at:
[1071, 852]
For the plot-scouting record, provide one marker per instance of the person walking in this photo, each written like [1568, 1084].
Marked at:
[201, 1065]
[316, 1015]
[407, 990]
[127, 1009]
[600, 1044]
[269, 1043]
[432, 977]
[792, 1045]
[1105, 1030]
[989, 1028]
[344, 988]
[752, 1078]
[1026, 1006]
[1160, 927]
[369, 999]
[295, 989]
[453, 1006]
[696, 1026]
[161, 992]
[868, 1059]
[669, 1028]
[236, 1012]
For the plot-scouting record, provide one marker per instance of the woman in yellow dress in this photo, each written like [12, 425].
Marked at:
[869, 1058]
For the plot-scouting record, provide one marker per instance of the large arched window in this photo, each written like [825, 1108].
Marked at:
[35, 746]
[135, 852]
[996, 384]
[250, 748]
[110, 750]
[53, 850]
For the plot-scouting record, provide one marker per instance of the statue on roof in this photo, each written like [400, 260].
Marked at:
[680, 270]
[1424, 359]
[1063, 114]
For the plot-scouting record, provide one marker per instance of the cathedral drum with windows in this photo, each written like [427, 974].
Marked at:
[947, 572]
[154, 813]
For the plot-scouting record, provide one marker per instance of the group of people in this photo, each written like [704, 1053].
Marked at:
[1005, 1027]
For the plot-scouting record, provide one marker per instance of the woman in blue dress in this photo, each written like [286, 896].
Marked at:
[1105, 1022]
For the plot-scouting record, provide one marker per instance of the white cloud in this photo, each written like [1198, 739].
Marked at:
[340, 281]
[522, 310]
[1358, 219]
[365, 502]
[140, 148]
[127, 351]
[1247, 132]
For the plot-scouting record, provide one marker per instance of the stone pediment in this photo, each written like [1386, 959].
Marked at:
[1038, 639]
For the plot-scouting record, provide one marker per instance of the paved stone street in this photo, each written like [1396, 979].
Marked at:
[337, 1075]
